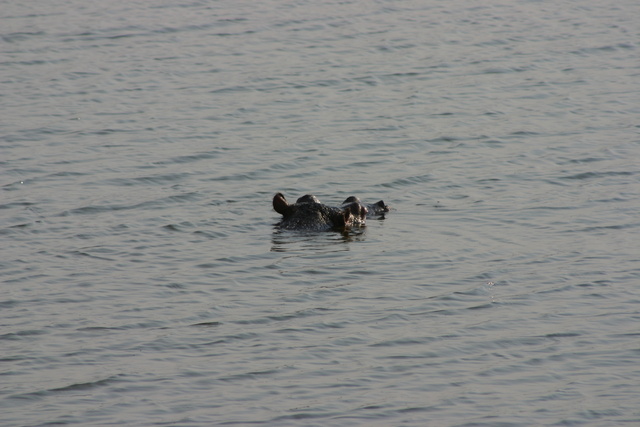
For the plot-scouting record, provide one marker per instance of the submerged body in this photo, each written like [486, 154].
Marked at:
[309, 214]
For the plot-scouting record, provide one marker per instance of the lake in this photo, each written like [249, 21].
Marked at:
[145, 281]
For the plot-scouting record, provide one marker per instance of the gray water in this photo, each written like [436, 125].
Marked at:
[144, 281]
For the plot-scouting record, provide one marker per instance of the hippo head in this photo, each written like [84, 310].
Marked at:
[309, 214]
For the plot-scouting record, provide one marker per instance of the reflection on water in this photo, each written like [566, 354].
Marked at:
[315, 241]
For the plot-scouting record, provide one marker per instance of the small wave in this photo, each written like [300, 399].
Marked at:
[591, 175]
[21, 334]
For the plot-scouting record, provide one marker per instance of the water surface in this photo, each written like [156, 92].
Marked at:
[144, 280]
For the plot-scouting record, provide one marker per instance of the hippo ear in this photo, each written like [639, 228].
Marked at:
[280, 204]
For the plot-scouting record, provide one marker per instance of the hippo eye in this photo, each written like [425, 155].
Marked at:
[308, 198]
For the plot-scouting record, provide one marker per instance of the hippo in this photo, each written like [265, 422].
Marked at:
[308, 213]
